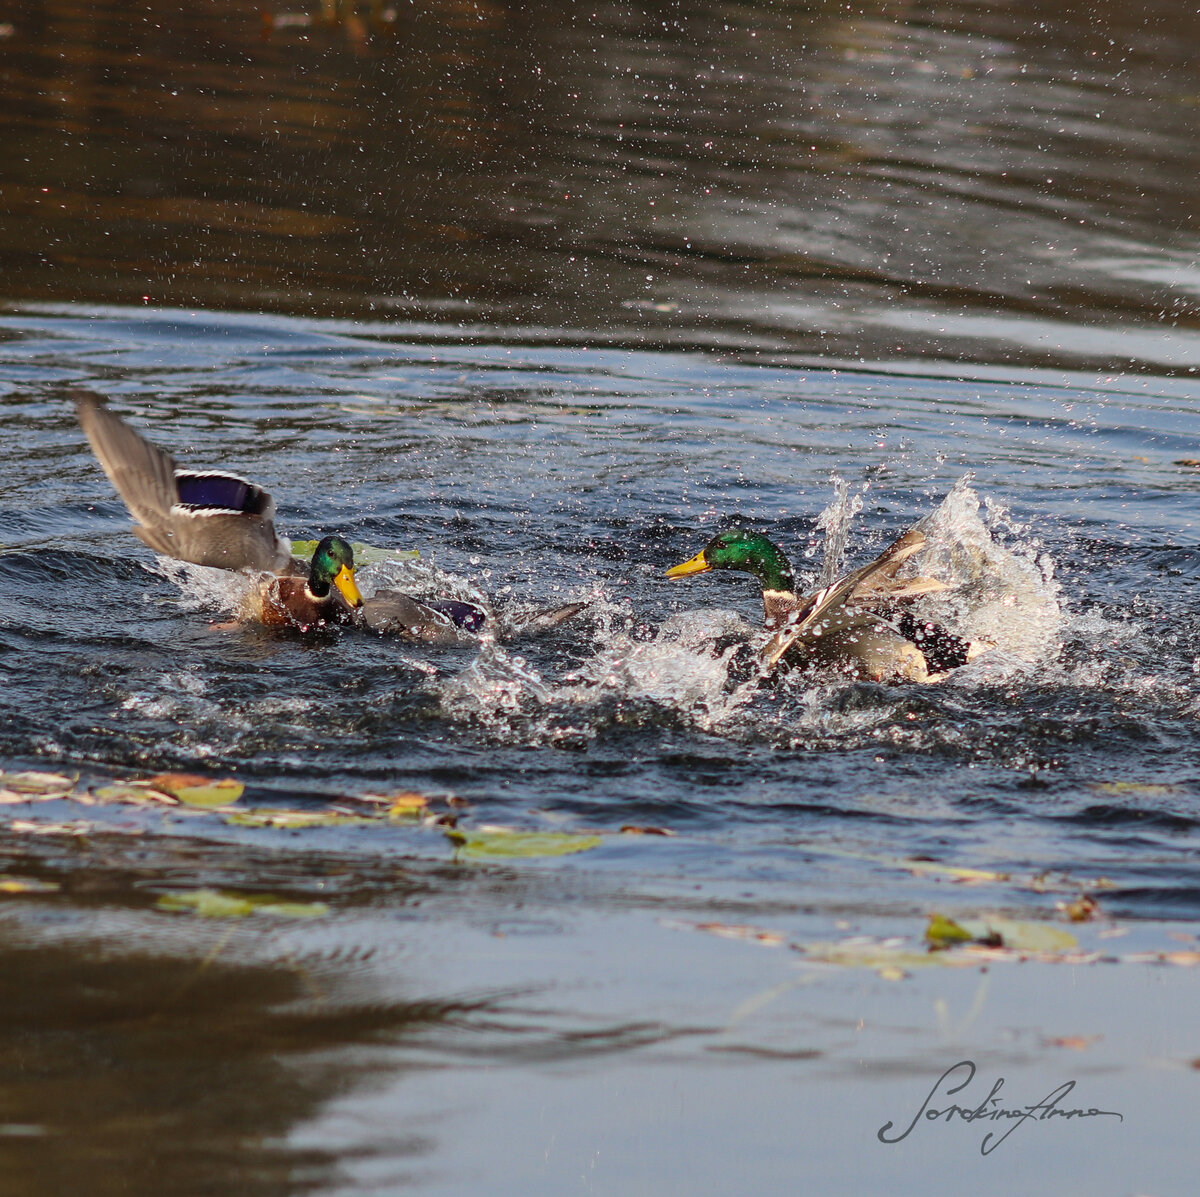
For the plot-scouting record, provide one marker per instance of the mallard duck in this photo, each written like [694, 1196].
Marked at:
[857, 622]
[215, 518]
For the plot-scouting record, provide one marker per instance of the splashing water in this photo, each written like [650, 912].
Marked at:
[835, 522]
[999, 595]
[1003, 594]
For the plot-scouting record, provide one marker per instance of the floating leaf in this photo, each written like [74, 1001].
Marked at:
[218, 904]
[138, 795]
[1027, 935]
[503, 842]
[407, 805]
[195, 790]
[364, 554]
[964, 876]
[1082, 910]
[637, 829]
[892, 963]
[997, 931]
[29, 785]
[1078, 1043]
[943, 931]
[27, 885]
[744, 931]
[296, 820]
[74, 827]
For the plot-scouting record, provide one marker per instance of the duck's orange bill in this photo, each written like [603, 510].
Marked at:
[693, 565]
[344, 581]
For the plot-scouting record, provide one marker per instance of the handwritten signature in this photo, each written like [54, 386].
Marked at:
[991, 1109]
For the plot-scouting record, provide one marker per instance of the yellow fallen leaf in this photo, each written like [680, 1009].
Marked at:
[195, 790]
[943, 931]
[27, 885]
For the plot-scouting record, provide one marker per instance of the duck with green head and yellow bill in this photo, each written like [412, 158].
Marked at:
[860, 623]
[217, 518]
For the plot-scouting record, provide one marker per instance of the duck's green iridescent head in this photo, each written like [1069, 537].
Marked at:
[745, 550]
[333, 562]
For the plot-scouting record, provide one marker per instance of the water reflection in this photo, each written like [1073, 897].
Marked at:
[739, 175]
[150, 1073]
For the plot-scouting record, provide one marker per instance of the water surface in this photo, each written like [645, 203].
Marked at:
[547, 297]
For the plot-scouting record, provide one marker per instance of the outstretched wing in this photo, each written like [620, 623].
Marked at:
[208, 518]
[871, 584]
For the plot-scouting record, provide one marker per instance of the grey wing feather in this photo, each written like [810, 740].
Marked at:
[144, 476]
[869, 583]
[390, 612]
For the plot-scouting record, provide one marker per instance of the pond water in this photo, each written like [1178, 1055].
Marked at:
[548, 297]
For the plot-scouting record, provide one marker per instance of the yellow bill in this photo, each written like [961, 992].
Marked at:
[344, 581]
[693, 565]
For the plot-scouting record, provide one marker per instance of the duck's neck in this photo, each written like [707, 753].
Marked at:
[773, 570]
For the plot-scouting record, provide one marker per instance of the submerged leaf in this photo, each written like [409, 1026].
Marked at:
[502, 842]
[192, 789]
[219, 904]
[1144, 788]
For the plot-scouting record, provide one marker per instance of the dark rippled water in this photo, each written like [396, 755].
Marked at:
[547, 298]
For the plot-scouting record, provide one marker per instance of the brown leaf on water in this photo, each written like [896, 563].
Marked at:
[407, 805]
[1183, 959]
[634, 829]
[771, 939]
[1078, 1043]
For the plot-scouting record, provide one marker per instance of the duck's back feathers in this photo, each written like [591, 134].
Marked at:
[433, 621]
[208, 517]
[869, 584]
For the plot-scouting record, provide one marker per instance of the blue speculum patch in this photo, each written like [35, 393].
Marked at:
[216, 490]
